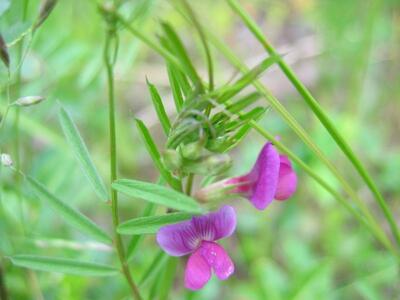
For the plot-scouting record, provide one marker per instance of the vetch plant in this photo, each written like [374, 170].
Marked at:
[187, 211]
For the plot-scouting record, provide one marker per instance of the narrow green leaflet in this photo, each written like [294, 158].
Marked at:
[62, 265]
[148, 225]
[175, 44]
[243, 103]
[81, 152]
[136, 239]
[159, 107]
[70, 215]
[175, 87]
[155, 155]
[246, 79]
[157, 194]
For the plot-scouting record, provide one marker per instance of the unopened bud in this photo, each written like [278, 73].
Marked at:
[209, 165]
[217, 145]
[6, 160]
[29, 100]
[172, 159]
[215, 192]
[192, 151]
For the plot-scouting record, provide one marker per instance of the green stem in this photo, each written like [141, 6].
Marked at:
[321, 115]
[110, 35]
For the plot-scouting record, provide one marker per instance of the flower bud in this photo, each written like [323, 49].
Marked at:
[29, 100]
[214, 192]
[172, 159]
[6, 160]
[209, 165]
[192, 151]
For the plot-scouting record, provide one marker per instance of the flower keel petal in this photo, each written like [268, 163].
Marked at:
[218, 259]
[198, 271]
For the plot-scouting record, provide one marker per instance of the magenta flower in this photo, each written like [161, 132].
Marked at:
[197, 237]
[272, 177]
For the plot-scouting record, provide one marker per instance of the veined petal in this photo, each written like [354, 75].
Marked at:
[266, 169]
[287, 182]
[217, 259]
[198, 271]
[216, 225]
[178, 239]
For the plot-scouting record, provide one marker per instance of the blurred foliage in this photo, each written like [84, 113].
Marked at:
[347, 52]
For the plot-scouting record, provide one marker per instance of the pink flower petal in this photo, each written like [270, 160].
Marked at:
[216, 225]
[178, 239]
[265, 174]
[287, 183]
[198, 271]
[185, 237]
[218, 259]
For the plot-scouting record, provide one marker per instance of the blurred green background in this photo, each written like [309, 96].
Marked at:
[346, 52]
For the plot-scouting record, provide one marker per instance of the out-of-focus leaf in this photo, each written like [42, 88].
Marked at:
[168, 278]
[4, 6]
[45, 9]
[16, 32]
[157, 194]
[81, 152]
[62, 265]
[148, 225]
[70, 215]
[159, 107]
[4, 52]
[154, 268]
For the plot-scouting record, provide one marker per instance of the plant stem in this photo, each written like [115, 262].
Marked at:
[321, 115]
[110, 35]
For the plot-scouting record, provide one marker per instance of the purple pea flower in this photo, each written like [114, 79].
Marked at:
[272, 177]
[197, 237]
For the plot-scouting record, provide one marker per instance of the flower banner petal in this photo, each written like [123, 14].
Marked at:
[178, 239]
[216, 225]
[267, 170]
